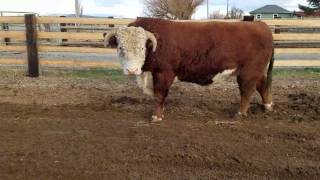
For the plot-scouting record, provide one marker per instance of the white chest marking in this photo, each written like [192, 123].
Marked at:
[145, 81]
[224, 75]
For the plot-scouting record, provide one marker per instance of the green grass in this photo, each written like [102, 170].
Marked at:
[101, 72]
[117, 74]
[297, 72]
[114, 74]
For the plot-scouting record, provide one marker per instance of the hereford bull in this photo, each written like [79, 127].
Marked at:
[158, 51]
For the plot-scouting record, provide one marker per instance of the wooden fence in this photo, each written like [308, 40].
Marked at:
[40, 40]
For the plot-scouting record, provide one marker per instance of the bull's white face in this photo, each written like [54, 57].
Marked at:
[131, 49]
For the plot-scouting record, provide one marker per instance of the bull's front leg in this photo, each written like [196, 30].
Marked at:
[161, 84]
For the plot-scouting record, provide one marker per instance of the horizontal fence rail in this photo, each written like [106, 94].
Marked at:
[44, 48]
[19, 35]
[104, 21]
[85, 35]
[63, 62]
[110, 64]
[66, 20]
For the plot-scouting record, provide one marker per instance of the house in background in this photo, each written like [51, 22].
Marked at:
[271, 12]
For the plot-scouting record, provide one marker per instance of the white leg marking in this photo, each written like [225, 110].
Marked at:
[268, 107]
[156, 119]
[242, 114]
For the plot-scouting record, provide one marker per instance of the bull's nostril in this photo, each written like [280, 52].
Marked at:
[132, 71]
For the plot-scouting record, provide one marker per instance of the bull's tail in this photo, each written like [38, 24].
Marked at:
[269, 72]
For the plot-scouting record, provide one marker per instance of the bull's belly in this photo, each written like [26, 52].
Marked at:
[207, 79]
[203, 81]
[145, 80]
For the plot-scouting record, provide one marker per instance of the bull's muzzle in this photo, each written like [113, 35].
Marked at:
[132, 72]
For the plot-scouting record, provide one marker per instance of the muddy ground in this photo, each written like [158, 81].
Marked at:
[80, 125]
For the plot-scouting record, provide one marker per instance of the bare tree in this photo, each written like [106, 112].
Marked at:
[236, 13]
[78, 8]
[171, 9]
[314, 6]
[217, 15]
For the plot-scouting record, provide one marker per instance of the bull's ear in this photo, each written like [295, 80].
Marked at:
[149, 45]
[113, 43]
[110, 39]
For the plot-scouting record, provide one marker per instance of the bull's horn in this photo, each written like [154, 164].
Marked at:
[107, 37]
[153, 40]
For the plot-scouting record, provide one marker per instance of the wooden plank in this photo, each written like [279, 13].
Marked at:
[67, 20]
[70, 35]
[76, 49]
[99, 36]
[296, 37]
[71, 20]
[108, 64]
[297, 63]
[293, 22]
[18, 35]
[106, 21]
[13, 48]
[83, 43]
[61, 62]
[95, 28]
[32, 47]
[105, 63]
[12, 19]
[12, 61]
[297, 50]
[42, 48]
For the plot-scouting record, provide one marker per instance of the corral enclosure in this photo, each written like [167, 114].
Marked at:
[85, 35]
[92, 123]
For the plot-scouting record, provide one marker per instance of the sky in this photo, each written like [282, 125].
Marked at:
[130, 8]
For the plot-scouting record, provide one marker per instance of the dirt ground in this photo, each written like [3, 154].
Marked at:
[62, 126]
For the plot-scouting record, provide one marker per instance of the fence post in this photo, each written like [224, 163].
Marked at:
[63, 29]
[32, 49]
[111, 25]
[277, 29]
[5, 27]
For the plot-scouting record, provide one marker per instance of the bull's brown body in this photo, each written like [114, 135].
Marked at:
[197, 51]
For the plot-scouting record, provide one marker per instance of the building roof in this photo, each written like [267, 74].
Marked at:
[274, 9]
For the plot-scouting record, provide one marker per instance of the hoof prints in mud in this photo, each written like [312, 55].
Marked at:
[99, 129]
[304, 106]
[129, 103]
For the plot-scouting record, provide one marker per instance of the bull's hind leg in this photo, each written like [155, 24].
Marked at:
[161, 85]
[265, 93]
[247, 87]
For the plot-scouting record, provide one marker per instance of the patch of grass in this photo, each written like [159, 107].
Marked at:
[114, 74]
[296, 72]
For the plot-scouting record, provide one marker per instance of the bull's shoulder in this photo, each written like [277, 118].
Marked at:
[147, 22]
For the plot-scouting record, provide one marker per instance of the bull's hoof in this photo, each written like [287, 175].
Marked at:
[268, 107]
[156, 119]
[240, 115]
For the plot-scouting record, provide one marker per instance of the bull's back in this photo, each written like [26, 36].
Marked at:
[223, 36]
[257, 35]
